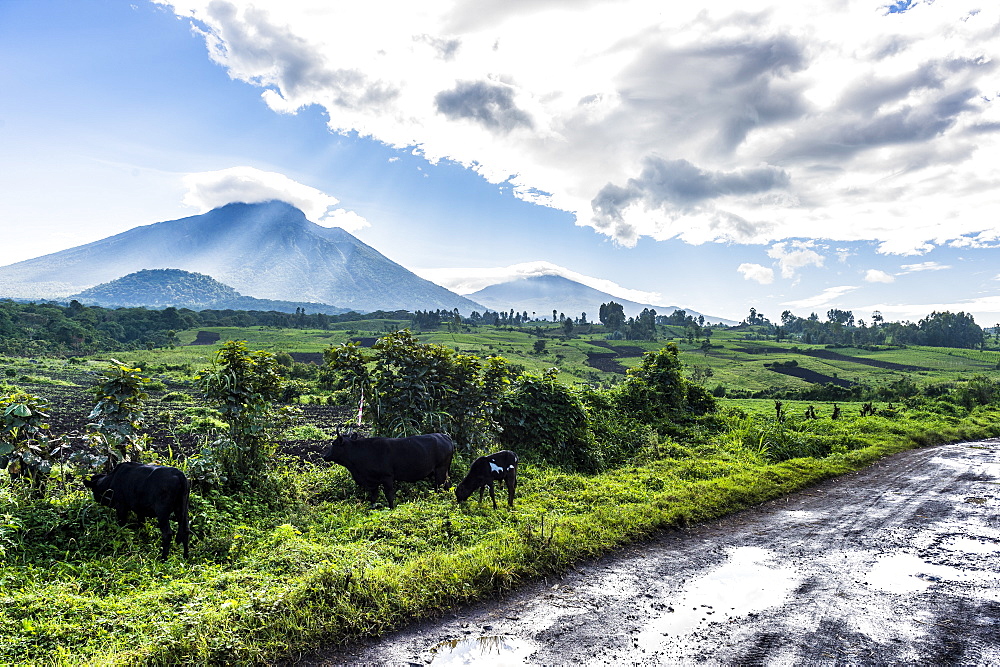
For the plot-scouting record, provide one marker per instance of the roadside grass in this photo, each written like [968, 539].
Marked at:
[305, 561]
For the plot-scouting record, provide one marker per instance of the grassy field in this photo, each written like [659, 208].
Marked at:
[308, 561]
[304, 560]
[737, 359]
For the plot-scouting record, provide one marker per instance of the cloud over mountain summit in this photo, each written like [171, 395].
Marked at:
[748, 122]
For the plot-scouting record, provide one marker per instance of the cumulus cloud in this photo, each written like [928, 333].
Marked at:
[877, 276]
[742, 121]
[761, 274]
[468, 280]
[210, 189]
[794, 255]
[489, 104]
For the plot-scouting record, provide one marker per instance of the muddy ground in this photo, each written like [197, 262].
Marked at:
[899, 563]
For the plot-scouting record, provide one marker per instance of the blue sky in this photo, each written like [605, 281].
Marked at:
[799, 155]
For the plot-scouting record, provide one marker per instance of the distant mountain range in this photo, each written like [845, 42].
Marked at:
[159, 288]
[268, 250]
[268, 256]
[540, 294]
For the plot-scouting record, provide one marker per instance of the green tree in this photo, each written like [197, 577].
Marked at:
[612, 315]
[118, 414]
[245, 386]
[408, 387]
[656, 393]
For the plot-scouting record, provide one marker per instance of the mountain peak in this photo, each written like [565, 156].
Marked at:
[269, 250]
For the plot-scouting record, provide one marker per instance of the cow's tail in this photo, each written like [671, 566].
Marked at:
[183, 519]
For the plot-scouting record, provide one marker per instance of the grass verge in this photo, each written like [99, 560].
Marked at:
[307, 562]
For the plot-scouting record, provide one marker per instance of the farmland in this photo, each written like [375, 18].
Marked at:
[301, 558]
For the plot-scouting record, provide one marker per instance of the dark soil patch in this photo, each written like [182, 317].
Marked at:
[621, 350]
[307, 357]
[888, 365]
[365, 341]
[830, 355]
[605, 361]
[810, 376]
[206, 338]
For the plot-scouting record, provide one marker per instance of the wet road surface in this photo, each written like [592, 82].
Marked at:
[898, 563]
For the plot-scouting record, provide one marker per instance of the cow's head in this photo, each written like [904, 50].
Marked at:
[335, 452]
[100, 485]
[463, 491]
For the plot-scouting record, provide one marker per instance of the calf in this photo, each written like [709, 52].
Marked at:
[148, 491]
[488, 469]
[375, 462]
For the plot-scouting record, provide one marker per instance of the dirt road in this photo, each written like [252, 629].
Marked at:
[899, 563]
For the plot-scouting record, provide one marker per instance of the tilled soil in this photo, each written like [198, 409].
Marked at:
[894, 564]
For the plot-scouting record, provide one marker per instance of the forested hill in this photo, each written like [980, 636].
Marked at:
[160, 288]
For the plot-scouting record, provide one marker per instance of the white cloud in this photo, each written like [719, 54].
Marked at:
[793, 255]
[876, 276]
[468, 280]
[210, 189]
[828, 297]
[738, 121]
[922, 266]
[761, 274]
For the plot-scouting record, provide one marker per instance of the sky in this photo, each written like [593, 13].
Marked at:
[718, 156]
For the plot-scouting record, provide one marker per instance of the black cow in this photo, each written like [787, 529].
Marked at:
[375, 462]
[149, 491]
[488, 469]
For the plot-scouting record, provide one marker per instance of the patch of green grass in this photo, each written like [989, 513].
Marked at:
[307, 561]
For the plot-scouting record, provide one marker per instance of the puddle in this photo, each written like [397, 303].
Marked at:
[493, 650]
[906, 573]
[748, 582]
[969, 545]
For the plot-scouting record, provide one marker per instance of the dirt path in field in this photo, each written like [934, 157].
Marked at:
[899, 563]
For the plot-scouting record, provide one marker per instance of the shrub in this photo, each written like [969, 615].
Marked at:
[25, 449]
[544, 419]
[118, 414]
[244, 386]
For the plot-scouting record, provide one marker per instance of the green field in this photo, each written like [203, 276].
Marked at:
[736, 363]
[301, 559]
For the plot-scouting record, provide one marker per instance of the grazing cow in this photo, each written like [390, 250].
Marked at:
[488, 469]
[375, 462]
[149, 491]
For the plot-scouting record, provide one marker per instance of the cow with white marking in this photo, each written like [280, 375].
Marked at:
[484, 471]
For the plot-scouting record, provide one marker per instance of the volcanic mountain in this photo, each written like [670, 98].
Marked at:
[159, 288]
[542, 294]
[267, 250]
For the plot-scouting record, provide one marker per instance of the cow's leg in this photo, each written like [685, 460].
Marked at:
[122, 515]
[511, 481]
[163, 520]
[482, 490]
[390, 493]
[373, 494]
[493, 495]
[441, 476]
[183, 530]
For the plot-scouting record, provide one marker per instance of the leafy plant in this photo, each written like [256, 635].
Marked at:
[25, 448]
[405, 387]
[543, 418]
[244, 387]
[118, 413]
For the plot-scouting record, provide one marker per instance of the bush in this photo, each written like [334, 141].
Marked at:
[544, 419]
